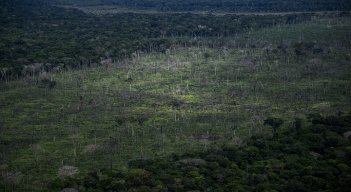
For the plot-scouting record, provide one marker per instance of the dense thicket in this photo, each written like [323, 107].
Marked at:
[303, 158]
[38, 33]
[229, 5]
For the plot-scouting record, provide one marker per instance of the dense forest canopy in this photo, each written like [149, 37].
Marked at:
[214, 5]
[291, 161]
[36, 32]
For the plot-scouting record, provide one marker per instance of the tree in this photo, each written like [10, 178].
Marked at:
[298, 124]
[274, 122]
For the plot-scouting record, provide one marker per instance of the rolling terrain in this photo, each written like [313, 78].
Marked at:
[156, 95]
[183, 100]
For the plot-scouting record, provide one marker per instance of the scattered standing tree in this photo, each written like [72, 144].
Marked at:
[298, 124]
[274, 122]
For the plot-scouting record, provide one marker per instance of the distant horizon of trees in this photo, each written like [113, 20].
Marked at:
[222, 5]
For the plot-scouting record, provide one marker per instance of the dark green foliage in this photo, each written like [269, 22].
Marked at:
[67, 38]
[270, 167]
[274, 122]
[221, 5]
[61, 183]
[298, 124]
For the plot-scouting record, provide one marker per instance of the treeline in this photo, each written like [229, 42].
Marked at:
[311, 155]
[222, 5]
[36, 36]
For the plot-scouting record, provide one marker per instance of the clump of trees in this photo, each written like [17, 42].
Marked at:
[311, 156]
[274, 122]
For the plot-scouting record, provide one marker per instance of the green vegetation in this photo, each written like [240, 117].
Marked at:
[220, 5]
[173, 101]
[313, 158]
[183, 100]
[57, 38]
